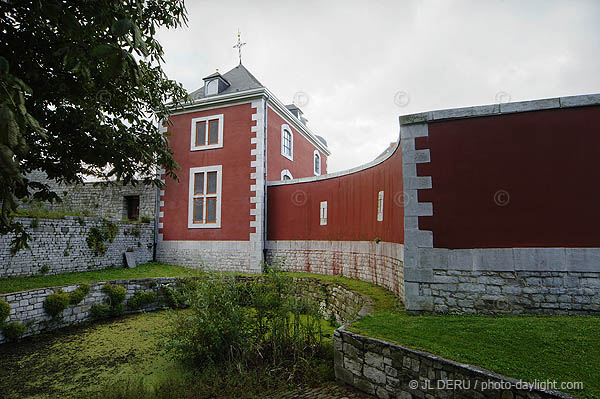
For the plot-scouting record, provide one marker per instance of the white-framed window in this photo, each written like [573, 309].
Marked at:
[286, 175]
[317, 163]
[287, 142]
[204, 202]
[323, 213]
[207, 132]
[380, 206]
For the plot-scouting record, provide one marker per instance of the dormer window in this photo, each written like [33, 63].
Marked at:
[214, 84]
[212, 87]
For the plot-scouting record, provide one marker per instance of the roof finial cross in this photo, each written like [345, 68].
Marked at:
[239, 45]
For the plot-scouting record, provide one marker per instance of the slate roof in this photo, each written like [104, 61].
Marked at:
[239, 79]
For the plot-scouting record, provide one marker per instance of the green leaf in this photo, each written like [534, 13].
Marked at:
[102, 50]
[121, 27]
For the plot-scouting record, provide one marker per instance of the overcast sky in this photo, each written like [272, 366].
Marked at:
[358, 65]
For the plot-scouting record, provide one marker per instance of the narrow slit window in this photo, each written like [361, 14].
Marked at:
[323, 213]
[380, 207]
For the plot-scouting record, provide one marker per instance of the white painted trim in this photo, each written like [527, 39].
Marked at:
[316, 155]
[193, 146]
[205, 169]
[287, 173]
[323, 213]
[285, 128]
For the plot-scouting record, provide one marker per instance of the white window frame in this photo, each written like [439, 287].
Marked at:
[194, 146]
[286, 129]
[323, 213]
[318, 155]
[287, 173]
[380, 196]
[191, 196]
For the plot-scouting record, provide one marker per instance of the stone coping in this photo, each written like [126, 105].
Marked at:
[502, 108]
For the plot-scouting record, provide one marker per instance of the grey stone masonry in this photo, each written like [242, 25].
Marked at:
[59, 246]
[379, 263]
[105, 200]
[388, 370]
[27, 307]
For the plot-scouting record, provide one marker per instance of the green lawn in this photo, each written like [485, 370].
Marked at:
[142, 271]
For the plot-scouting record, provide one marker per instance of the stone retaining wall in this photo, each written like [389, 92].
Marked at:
[379, 263]
[60, 244]
[389, 370]
[27, 306]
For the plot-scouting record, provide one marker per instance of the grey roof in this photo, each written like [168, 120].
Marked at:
[239, 79]
[321, 139]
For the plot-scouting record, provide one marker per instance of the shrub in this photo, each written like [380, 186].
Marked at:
[145, 219]
[101, 311]
[141, 299]
[13, 330]
[116, 294]
[113, 306]
[97, 237]
[79, 294]
[44, 269]
[4, 311]
[55, 303]
[174, 298]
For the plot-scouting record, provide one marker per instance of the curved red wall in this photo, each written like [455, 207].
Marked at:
[546, 162]
[293, 209]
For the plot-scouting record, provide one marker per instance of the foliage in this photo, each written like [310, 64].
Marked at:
[98, 236]
[145, 219]
[45, 269]
[148, 270]
[40, 212]
[141, 299]
[251, 325]
[174, 298]
[4, 311]
[82, 86]
[113, 305]
[13, 330]
[55, 303]
[79, 294]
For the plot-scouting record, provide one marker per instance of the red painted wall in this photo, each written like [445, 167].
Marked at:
[302, 166]
[294, 209]
[235, 158]
[547, 161]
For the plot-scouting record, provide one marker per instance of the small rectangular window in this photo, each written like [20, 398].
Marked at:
[323, 212]
[132, 207]
[201, 133]
[380, 207]
[198, 210]
[213, 132]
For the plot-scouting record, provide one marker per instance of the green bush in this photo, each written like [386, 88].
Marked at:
[44, 269]
[174, 298]
[101, 311]
[97, 237]
[13, 330]
[141, 299]
[116, 294]
[4, 311]
[55, 303]
[79, 294]
[261, 323]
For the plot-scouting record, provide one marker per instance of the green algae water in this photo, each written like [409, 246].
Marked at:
[70, 362]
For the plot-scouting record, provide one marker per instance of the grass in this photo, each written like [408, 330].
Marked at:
[152, 269]
[528, 347]
[44, 213]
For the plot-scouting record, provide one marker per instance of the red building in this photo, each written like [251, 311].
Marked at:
[229, 141]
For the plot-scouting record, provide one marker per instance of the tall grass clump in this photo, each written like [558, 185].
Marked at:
[251, 324]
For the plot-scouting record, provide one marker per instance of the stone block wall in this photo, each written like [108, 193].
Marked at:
[61, 245]
[27, 306]
[223, 256]
[379, 263]
[98, 200]
[388, 370]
